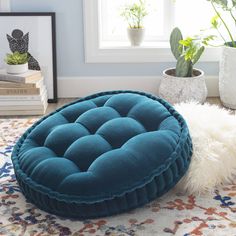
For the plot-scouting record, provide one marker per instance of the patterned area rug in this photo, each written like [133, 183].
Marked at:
[173, 214]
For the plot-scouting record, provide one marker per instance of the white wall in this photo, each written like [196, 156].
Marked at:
[74, 73]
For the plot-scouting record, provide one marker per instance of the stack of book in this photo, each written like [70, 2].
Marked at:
[22, 94]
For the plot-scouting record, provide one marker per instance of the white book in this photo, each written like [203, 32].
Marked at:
[26, 111]
[22, 103]
[25, 97]
[7, 84]
[7, 103]
[27, 77]
[22, 108]
[23, 113]
[11, 107]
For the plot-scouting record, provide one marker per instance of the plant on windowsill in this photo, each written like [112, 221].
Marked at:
[184, 83]
[17, 63]
[134, 15]
[227, 74]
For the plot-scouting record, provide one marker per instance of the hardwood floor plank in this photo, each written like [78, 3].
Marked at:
[63, 101]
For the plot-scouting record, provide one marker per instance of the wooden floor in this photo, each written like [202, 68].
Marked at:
[63, 101]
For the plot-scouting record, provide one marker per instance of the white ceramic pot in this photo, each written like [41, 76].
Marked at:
[136, 36]
[227, 77]
[17, 69]
[182, 89]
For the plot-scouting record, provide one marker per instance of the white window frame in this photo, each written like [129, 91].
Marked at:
[4, 5]
[94, 53]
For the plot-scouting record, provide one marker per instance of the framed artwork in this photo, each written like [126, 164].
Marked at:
[35, 34]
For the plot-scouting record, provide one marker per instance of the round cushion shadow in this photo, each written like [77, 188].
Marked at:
[103, 155]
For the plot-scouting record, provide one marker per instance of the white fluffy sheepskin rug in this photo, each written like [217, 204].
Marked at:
[213, 132]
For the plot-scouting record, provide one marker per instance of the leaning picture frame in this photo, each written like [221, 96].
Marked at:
[39, 28]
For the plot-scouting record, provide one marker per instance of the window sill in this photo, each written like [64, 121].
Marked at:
[147, 53]
[126, 45]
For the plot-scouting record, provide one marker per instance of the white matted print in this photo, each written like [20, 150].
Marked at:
[33, 33]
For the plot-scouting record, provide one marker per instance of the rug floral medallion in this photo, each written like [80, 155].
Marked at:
[173, 214]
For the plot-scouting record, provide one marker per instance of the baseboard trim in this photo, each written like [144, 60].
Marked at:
[70, 87]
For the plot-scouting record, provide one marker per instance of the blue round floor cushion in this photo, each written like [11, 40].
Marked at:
[102, 155]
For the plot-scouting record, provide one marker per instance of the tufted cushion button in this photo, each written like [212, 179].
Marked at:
[103, 154]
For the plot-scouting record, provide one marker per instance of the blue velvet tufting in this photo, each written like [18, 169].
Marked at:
[103, 154]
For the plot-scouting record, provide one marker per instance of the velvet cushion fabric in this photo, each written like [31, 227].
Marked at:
[103, 154]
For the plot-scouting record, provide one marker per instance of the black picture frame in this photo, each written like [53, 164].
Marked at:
[53, 96]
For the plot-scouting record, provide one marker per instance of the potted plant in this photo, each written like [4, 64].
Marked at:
[227, 74]
[17, 63]
[134, 15]
[184, 82]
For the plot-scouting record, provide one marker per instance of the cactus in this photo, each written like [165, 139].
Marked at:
[186, 51]
[175, 37]
[183, 68]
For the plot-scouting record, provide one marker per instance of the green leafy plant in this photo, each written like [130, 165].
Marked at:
[218, 20]
[187, 51]
[135, 13]
[16, 58]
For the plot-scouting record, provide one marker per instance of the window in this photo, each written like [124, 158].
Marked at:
[4, 5]
[113, 27]
[105, 30]
[193, 15]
